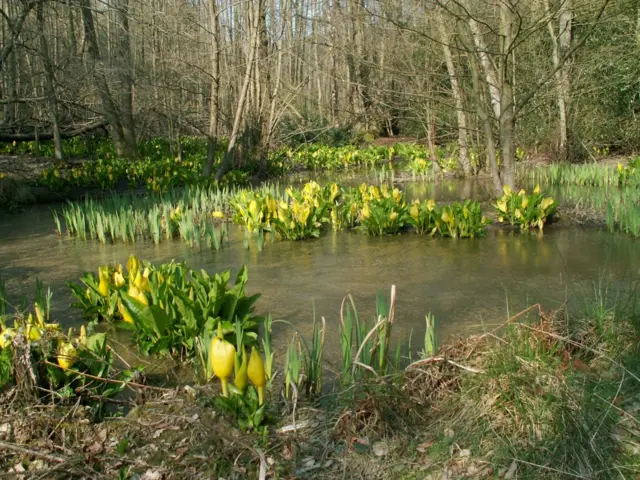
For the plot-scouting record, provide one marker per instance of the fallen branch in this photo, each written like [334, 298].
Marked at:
[35, 453]
[30, 137]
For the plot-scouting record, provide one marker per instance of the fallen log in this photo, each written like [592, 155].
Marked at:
[29, 137]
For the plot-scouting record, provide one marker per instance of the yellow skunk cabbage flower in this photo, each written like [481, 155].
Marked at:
[335, 191]
[83, 336]
[518, 213]
[525, 202]
[507, 190]
[6, 337]
[431, 204]
[522, 192]
[33, 333]
[536, 190]
[138, 295]
[502, 205]
[142, 281]
[241, 378]
[217, 214]
[253, 208]
[133, 265]
[222, 357]
[118, 279]
[546, 203]
[66, 355]
[619, 167]
[256, 373]
[365, 211]
[393, 215]
[397, 195]
[414, 212]
[103, 286]
[39, 314]
[126, 316]
[445, 216]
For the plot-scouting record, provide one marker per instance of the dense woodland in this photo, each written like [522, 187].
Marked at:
[559, 77]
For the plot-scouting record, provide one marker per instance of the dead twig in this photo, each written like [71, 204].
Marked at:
[35, 453]
[110, 380]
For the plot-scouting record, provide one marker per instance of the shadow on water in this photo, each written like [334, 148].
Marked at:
[468, 285]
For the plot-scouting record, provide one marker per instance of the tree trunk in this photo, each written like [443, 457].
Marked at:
[49, 85]
[97, 71]
[125, 74]
[561, 41]
[457, 94]
[507, 117]
[481, 106]
[487, 66]
[242, 99]
[214, 108]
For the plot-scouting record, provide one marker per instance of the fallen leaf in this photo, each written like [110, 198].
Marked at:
[465, 453]
[422, 448]
[151, 475]
[94, 448]
[380, 449]
[512, 471]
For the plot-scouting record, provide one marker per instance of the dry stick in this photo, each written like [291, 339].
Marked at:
[110, 380]
[364, 342]
[27, 451]
[390, 322]
[64, 417]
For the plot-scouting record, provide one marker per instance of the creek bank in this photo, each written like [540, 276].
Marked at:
[544, 395]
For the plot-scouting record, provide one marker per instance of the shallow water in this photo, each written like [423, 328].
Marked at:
[469, 285]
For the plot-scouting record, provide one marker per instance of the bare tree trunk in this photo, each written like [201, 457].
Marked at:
[214, 109]
[333, 71]
[49, 85]
[487, 66]
[457, 94]
[507, 117]
[481, 106]
[125, 74]
[564, 84]
[242, 99]
[97, 70]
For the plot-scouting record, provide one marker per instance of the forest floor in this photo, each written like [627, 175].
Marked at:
[538, 397]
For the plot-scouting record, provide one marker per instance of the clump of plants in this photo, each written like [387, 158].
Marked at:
[195, 215]
[45, 362]
[383, 211]
[303, 213]
[622, 213]
[629, 175]
[527, 211]
[461, 220]
[423, 216]
[167, 307]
